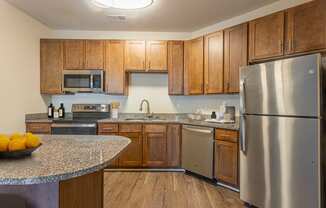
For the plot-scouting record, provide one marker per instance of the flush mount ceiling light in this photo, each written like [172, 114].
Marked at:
[123, 4]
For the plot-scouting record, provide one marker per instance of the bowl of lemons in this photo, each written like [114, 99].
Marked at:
[18, 145]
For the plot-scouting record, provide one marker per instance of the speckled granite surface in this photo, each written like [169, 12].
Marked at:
[158, 118]
[62, 158]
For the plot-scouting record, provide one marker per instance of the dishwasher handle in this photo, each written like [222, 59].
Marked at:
[197, 130]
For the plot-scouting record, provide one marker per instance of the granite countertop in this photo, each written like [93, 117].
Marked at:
[161, 118]
[61, 158]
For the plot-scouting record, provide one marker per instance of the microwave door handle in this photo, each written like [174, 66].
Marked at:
[92, 81]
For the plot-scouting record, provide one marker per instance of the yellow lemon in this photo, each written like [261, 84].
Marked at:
[16, 144]
[16, 136]
[32, 141]
[4, 142]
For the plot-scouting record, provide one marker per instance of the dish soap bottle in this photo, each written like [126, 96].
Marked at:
[50, 110]
[61, 111]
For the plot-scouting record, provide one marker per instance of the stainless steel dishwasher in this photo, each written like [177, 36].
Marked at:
[198, 150]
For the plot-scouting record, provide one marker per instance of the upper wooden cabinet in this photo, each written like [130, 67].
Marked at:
[116, 78]
[156, 56]
[51, 66]
[194, 66]
[175, 67]
[135, 55]
[74, 54]
[306, 27]
[235, 56]
[266, 37]
[94, 54]
[155, 145]
[214, 63]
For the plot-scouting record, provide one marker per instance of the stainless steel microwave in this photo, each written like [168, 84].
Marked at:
[75, 81]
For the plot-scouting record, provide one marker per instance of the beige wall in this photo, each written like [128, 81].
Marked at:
[19, 67]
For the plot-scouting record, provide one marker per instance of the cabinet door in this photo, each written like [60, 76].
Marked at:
[132, 156]
[226, 162]
[74, 54]
[174, 145]
[214, 63]
[156, 56]
[235, 56]
[175, 67]
[155, 146]
[266, 36]
[116, 78]
[135, 55]
[306, 27]
[51, 66]
[94, 54]
[194, 67]
[38, 128]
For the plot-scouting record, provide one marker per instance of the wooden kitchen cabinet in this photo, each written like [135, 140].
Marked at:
[194, 66]
[174, 145]
[266, 37]
[51, 66]
[226, 157]
[135, 55]
[38, 128]
[74, 54]
[213, 73]
[116, 78]
[155, 146]
[94, 54]
[235, 56]
[306, 27]
[132, 156]
[175, 67]
[156, 56]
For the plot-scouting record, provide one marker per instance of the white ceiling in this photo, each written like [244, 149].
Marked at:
[162, 16]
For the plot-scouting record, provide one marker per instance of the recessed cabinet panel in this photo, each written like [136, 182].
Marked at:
[156, 55]
[175, 67]
[135, 55]
[94, 54]
[266, 37]
[51, 66]
[74, 54]
[214, 63]
[194, 67]
[116, 78]
[235, 56]
[132, 156]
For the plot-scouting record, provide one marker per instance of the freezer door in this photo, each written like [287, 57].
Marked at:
[280, 166]
[289, 87]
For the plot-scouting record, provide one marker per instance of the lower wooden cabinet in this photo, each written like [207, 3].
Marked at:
[132, 157]
[226, 157]
[155, 146]
[38, 128]
[152, 145]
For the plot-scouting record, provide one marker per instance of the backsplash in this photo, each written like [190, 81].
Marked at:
[153, 87]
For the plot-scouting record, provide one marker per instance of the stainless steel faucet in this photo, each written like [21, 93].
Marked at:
[148, 110]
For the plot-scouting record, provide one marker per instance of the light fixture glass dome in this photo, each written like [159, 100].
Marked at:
[123, 4]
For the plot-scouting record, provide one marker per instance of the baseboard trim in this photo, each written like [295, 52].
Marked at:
[144, 170]
[228, 187]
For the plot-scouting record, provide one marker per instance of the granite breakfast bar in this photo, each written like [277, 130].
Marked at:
[65, 172]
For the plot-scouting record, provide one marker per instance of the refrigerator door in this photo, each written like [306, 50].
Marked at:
[289, 87]
[279, 168]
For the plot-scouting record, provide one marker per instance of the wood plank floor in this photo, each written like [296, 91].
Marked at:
[164, 190]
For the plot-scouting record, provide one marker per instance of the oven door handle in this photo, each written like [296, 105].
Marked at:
[56, 125]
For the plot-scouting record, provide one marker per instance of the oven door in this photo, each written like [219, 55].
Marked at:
[75, 81]
[74, 129]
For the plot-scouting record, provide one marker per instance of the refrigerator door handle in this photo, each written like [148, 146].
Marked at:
[242, 97]
[243, 133]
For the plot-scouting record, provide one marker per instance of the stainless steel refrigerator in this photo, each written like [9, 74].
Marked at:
[282, 157]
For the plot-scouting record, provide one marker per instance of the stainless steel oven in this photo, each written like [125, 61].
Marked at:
[75, 81]
[74, 128]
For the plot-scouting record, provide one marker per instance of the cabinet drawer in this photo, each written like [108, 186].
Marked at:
[226, 135]
[155, 128]
[107, 128]
[38, 128]
[130, 128]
